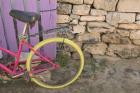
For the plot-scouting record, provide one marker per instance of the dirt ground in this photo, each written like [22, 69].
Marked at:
[110, 75]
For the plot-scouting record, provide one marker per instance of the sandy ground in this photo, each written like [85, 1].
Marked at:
[110, 75]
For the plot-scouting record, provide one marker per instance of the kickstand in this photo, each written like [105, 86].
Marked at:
[27, 76]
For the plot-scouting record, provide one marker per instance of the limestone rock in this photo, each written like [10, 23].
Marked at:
[72, 1]
[78, 29]
[99, 24]
[124, 51]
[136, 42]
[96, 49]
[78, 43]
[83, 23]
[63, 19]
[74, 22]
[129, 6]
[97, 12]
[64, 8]
[125, 40]
[68, 34]
[135, 34]
[138, 17]
[123, 33]
[114, 18]
[137, 22]
[130, 26]
[81, 9]
[92, 18]
[74, 16]
[89, 37]
[100, 30]
[88, 1]
[108, 5]
[111, 38]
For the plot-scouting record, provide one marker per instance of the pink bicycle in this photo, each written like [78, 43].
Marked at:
[58, 72]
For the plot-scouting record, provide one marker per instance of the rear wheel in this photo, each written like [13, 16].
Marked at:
[68, 56]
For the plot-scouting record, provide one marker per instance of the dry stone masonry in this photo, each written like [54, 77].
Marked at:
[103, 27]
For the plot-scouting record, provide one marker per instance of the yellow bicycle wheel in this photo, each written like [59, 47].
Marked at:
[71, 62]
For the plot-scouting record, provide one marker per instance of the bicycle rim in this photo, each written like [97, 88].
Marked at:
[56, 40]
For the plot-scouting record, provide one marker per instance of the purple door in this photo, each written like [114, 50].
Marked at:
[10, 29]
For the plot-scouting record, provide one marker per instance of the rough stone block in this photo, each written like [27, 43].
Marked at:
[64, 8]
[100, 30]
[111, 38]
[114, 18]
[97, 12]
[74, 16]
[138, 17]
[130, 26]
[89, 37]
[63, 19]
[78, 29]
[88, 1]
[83, 23]
[108, 5]
[129, 6]
[74, 22]
[92, 18]
[124, 51]
[136, 42]
[95, 49]
[135, 34]
[99, 24]
[125, 40]
[123, 33]
[137, 22]
[81, 9]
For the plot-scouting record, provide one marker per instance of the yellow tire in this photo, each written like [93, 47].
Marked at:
[53, 40]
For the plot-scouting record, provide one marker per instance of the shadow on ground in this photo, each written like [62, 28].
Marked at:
[110, 75]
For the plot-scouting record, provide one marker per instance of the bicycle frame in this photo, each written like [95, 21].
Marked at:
[17, 56]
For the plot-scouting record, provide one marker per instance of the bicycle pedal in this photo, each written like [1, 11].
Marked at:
[18, 75]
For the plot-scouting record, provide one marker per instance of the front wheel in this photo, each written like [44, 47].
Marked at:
[67, 55]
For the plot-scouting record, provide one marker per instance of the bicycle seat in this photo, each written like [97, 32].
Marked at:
[27, 17]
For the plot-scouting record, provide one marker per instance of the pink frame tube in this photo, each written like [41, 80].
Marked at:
[3, 67]
[17, 56]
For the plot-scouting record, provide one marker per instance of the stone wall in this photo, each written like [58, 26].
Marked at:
[103, 27]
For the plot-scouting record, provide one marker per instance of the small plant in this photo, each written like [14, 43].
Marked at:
[63, 59]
